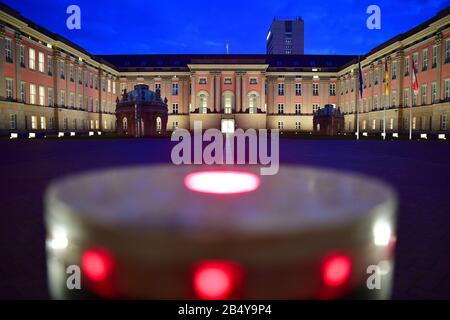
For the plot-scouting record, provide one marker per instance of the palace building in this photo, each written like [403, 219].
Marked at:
[49, 84]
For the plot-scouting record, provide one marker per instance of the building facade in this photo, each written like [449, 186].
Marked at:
[286, 36]
[48, 83]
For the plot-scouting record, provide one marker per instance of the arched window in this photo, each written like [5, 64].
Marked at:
[158, 124]
[125, 124]
[253, 102]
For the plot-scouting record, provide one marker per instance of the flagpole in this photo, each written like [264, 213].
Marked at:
[410, 122]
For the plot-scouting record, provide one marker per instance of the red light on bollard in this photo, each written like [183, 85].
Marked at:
[216, 280]
[336, 270]
[97, 264]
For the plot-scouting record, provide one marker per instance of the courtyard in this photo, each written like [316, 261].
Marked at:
[418, 170]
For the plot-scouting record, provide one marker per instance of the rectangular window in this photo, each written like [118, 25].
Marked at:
[72, 100]
[41, 96]
[23, 92]
[406, 97]
[253, 81]
[202, 81]
[424, 94]
[33, 122]
[109, 85]
[8, 50]
[375, 103]
[174, 125]
[394, 99]
[315, 107]
[63, 98]
[433, 93]
[49, 65]
[281, 89]
[22, 56]
[41, 65]
[298, 108]
[31, 59]
[298, 89]
[414, 98]
[332, 89]
[43, 123]
[406, 66]
[447, 90]
[280, 125]
[298, 125]
[62, 71]
[424, 59]
[158, 86]
[80, 101]
[51, 123]
[416, 61]
[65, 124]
[394, 70]
[444, 123]
[227, 81]
[434, 57]
[280, 108]
[50, 97]
[174, 89]
[74, 124]
[9, 89]
[13, 121]
[175, 108]
[414, 121]
[32, 93]
[71, 73]
[315, 89]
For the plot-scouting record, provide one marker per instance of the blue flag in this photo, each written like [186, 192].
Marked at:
[360, 79]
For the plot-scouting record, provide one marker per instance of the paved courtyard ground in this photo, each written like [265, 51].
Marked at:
[419, 170]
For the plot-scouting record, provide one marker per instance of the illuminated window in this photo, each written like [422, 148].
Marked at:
[253, 81]
[32, 93]
[444, 122]
[433, 93]
[33, 122]
[41, 96]
[425, 59]
[424, 94]
[9, 89]
[41, 62]
[31, 59]
[315, 107]
[298, 108]
[43, 123]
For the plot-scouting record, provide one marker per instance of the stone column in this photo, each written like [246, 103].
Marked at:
[238, 92]
[2, 61]
[263, 92]
[244, 92]
[192, 83]
[211, 105]
[217, 101]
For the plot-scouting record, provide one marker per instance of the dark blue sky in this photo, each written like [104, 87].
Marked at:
[139, 26]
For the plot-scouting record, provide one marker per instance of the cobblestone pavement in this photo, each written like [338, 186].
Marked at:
[419, 170]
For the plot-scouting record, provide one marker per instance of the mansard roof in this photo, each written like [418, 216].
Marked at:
[180, 62]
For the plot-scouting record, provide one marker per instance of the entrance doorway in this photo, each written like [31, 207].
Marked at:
[227, 125]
